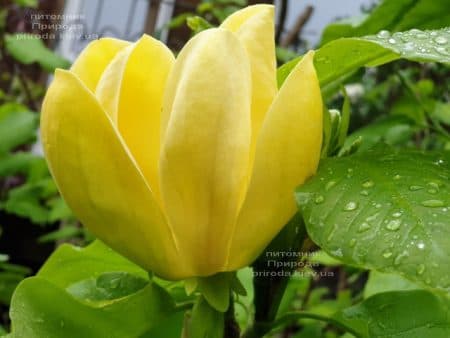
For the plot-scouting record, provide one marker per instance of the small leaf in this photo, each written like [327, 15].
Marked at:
[216, 290]
[28, 49]
[17, 127]
[392, 130]
[205, 321]
[385, 210]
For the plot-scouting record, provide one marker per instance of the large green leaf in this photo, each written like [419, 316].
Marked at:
[383, 209]
[396, 16]
[399, 314]
[338, 59]
[27, 49]
[89, 292]
[39, 308]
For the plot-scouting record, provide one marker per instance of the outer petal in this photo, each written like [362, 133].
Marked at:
[100, 181]
[287, 153]
[131, 91]
[93, 60]
[204, 158]
[254, 26]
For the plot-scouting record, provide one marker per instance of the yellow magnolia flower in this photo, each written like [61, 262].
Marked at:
[187, 166]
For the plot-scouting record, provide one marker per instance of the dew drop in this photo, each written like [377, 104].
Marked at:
[421, 36]
[415, 187]
[364, 227]
[433, 203]
[372, 218]
[420, 269]
[330, 185]
[352, 242]
[409, 47]
[397, 177]
[397, 214]
[400, 257]
[364, 193]
[384, 34]
[319, 199]
[387, 254]
[432, 191]
[441, 40]
[351, 206]
[368, 184]
[394, 225]
[441, 50]
[392, 41]
[337, 252]
[421, 245]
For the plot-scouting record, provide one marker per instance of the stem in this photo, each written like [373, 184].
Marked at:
[269, 289]
[294, 316]
[231, 328]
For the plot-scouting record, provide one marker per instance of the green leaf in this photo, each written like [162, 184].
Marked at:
[197, 24]
[396, 16]
[205, 321]
[382, 282]
[383, 209]
[17, 163]
[70, 264]
[39, 308]
[107, 287]
[27, 3]
[340, 58]
[399, 314]
[89, 292]
[392, 130]
[26, 200]
[171, 327]
[216, 290]
[17, 127]
[28, 49]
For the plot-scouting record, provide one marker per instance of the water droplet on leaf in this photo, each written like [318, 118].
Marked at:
[351, 206]
[433, 203]
[394, 225]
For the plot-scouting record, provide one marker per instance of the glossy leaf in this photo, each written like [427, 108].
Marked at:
[338, 59]
[89, 292]
[70, 264]
[399, 314]
[385, 210]
[39, 308]
[395, 16]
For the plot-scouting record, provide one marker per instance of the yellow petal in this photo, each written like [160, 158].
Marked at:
[131, 91]
[93, 60]
[254, 26]
[100, 181]
[287, 153]
[204, 158]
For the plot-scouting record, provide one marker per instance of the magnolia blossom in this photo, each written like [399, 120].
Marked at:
[185, 166]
